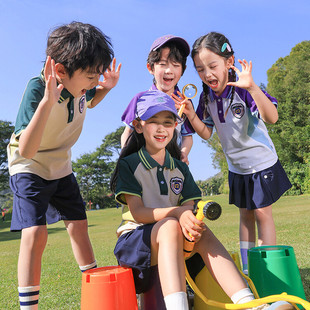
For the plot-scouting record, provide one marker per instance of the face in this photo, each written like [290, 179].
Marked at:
[167, 72]
[157, 131]
[80, 82]
[213, 69]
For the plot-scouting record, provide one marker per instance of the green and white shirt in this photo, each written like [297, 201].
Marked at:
[158, 186]
[63, 128]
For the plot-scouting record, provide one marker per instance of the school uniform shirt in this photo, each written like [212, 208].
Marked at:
[64, 125]
[158, 186]
[183, 129]
[243, 134]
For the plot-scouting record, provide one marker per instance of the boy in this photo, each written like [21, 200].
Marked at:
[49, 122]
[166, 62]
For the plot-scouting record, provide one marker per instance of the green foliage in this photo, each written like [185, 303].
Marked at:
[212, 186]
[6, 129]
[289, 82]
[93, 171]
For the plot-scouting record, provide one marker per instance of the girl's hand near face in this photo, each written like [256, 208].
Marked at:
[245, 76]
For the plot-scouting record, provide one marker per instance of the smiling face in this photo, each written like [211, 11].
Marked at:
[80, 82]
[213, 69]
[157, 131]
[167, 72]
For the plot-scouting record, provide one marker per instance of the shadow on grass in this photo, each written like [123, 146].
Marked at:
[305, 278]
[15, 235]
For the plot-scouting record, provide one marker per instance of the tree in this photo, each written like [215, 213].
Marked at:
[289, 82]
[93, 170]
[6, 129]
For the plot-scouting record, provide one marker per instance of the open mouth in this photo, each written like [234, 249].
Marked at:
[213, 83]
[167, 80]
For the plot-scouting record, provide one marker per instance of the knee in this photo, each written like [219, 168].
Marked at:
[35, 237]
[77, 227]
[170, 230]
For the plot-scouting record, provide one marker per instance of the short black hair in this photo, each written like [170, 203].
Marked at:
[176, 53]
[80, 46]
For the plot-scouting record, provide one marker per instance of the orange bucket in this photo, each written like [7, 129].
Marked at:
[108, 288]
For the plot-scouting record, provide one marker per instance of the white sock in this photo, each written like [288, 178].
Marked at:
[242, 296]
[29, 297]
[87, 267]
[176, 301]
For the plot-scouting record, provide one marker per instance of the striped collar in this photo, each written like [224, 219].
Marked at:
[150, 163]
[226, 93]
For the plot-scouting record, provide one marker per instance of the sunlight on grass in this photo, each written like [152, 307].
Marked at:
[61, 277]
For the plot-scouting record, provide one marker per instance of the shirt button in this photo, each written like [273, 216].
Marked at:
[162, 182]
[265, 176]
[219, 100]
[220, 111]
[160, 169]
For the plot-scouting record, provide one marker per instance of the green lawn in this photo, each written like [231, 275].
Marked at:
[61, 278]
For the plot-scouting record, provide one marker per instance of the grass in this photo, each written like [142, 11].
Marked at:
[61, 278]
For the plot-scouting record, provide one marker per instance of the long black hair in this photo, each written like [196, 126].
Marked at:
[133, 144]
[220, 45]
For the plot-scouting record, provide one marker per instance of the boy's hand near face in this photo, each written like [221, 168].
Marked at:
[111, 77]
[52, 91]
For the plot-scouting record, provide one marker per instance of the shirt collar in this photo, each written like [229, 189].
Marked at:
[176, 88]
[150, 163]
[226, 93]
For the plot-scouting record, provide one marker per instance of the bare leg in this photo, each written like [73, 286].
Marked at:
[265, 226]
[167, 252]
[32, 245]
[81, 246]
[247, 225]
[219, 263]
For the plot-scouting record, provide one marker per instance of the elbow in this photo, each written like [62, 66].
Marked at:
[24, 152]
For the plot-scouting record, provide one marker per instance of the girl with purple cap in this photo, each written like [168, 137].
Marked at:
[167, 63]
[158, 192]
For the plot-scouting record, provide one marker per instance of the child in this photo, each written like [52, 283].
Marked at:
[238, 110]
[159, 191]
[49, 122]
[167, 63]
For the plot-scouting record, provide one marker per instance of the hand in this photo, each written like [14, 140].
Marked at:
[184, 158]
[245, 76]
[111, 76]
[52, 91]
[192, 228]
[180, 100]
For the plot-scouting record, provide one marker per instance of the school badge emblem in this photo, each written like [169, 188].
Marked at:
[237, 110]
[82, 104]
[176, 185]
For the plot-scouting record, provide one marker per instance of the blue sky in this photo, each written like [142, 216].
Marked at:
[261, 31]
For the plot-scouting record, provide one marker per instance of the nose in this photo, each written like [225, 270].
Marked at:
[168, 70]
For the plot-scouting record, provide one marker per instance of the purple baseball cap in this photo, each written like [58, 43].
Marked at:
[169, 37]
[153, 102]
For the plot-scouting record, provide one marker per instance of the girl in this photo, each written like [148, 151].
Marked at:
[159, 192]
[167, 63]
[238, 110]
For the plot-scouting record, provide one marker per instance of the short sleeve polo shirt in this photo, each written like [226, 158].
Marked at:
[243, 134]
[158, 186]
[64, 125]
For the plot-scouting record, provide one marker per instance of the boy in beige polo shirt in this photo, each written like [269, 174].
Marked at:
[48, 124]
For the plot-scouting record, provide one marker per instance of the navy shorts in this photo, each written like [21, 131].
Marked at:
[260, 189]
[38, 201]
[133, 249]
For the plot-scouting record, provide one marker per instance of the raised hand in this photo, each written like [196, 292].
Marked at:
[183, 104]
[52, 91]
[245, 75]
[111, 76]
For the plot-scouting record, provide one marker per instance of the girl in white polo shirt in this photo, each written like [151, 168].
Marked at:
[238, 110]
